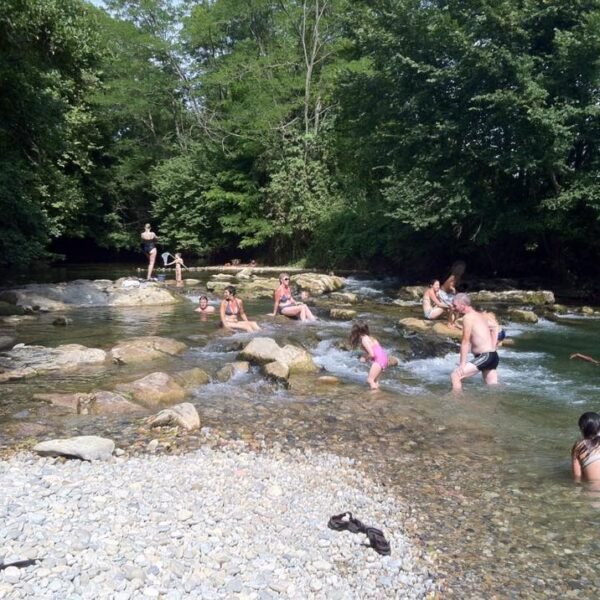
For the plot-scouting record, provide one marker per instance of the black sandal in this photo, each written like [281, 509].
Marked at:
[346, 522]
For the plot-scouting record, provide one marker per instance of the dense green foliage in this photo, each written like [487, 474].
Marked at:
[383, 133]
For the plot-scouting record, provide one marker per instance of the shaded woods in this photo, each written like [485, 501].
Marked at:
[376, 133]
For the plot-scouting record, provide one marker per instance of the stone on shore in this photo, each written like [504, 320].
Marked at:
[85, 447]
[181, 415]
[143, 349]
[153, 390]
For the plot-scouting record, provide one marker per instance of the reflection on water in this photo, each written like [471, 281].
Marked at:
[488, 470]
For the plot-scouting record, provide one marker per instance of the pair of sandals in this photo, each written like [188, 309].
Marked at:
[346, 522]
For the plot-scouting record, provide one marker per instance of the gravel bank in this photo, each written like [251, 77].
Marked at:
[224, 523]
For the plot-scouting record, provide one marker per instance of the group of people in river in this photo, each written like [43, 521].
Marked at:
[481, 336]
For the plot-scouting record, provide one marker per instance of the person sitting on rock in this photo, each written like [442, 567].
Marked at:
[433, 307]
[285, 304]
[233, 315]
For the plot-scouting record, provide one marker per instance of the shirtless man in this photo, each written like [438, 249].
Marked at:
[481, 337]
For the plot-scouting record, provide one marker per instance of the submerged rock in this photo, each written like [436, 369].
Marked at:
[142, 349]
[85, 447]
[192, 378]
[79, 403]
[153, 390]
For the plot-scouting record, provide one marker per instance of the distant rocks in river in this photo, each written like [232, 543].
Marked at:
[83, 292]
[528, 297]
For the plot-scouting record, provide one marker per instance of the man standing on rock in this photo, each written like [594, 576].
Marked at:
[480, 336]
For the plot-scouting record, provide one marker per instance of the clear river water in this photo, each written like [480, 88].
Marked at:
[485, 474]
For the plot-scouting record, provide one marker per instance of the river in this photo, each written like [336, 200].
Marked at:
[486, 474]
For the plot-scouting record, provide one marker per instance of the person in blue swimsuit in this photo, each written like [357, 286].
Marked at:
[233, 315]
[284, 303]
[585, 455]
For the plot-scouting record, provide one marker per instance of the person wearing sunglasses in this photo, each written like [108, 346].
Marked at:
[286, 305]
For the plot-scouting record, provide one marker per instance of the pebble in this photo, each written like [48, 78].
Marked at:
[189, 525]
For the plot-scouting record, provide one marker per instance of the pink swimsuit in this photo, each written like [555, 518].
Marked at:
[380, 356]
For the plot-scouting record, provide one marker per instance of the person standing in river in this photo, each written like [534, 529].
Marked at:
[149, 239]
[480, 336]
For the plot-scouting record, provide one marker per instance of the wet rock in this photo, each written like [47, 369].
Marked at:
[80, 293]
[232, 369]
[560, 309]
[192, 378]
[142, 349]
[522, 316]
[415, 324]
[318, 284]
[345, 297]
[328, 379]
[189, 282]
[182, 415]
[10, 308]
[393, 361]
[25, 361]
[262, 350]
[276, 370]
[85, 447]
[62, 321]
[106, 403]
[535, 298]
[428, 346]
[342, 314]
[444, 329]
[79, 403]
[258, 287]
[7, 342]
[586, 310]
[411, 292]
[153, 390]
[246, 273]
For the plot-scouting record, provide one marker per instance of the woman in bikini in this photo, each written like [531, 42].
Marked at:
[232, 310]
[433, 307]
[585, 455]
[149, 239]
[373, 352]
[285, 303]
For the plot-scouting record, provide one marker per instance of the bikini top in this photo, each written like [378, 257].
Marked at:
[228, 310]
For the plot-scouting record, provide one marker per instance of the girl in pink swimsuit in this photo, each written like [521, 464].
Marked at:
[373, 351]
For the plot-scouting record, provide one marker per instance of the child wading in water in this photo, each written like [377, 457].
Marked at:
[373, 351]
[178, 262]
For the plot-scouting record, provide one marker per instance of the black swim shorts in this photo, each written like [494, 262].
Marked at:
[486, 361]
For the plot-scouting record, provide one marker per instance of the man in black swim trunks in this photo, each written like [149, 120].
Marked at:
[480, 336]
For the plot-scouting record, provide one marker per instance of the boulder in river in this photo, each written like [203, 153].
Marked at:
[263, 350]
[142, 349]
[108, 403]
[318, 284]
[85, 447]
[522, 316]
[232, 369]
[26, 361]
[153, 390]
[342, 314]
[182, 415]
[79, 403]
[192, 378]
[528, 297]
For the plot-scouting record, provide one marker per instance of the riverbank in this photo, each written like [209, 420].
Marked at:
[214, 523]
